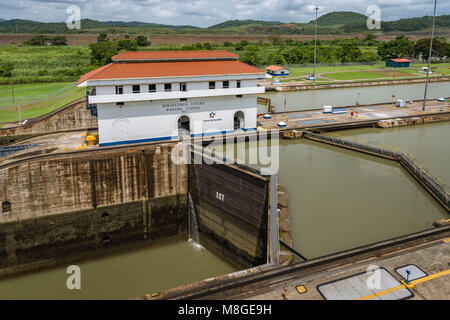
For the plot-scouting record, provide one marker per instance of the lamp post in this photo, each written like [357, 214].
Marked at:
[315, 45]
[429, 60]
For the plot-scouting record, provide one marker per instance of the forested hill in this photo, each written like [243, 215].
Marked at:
[343, 22]
[340, 18]
[244, 23]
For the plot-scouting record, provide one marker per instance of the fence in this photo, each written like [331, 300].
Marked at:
[435, 185]
[4, 151]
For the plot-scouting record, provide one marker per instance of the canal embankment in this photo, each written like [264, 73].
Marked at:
[63, 207]
[71, 117]
[358, 116]
[371, 93]
[285, 87]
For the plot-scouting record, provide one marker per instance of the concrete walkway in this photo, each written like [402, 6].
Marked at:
[316, 118]
[432, 259]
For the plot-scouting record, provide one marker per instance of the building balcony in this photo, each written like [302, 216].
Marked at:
[136, 97]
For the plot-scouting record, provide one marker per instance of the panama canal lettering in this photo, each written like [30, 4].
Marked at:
[183, 106]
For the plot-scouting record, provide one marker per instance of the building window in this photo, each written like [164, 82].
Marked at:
[6, 206]
[183, 99]
[119, 89]
[136, 88]
[167, 87]
[226, 84]
[212, 85]
[239, 96]
[152, 88]
[120, 104]
[183, 87]
[238, 84]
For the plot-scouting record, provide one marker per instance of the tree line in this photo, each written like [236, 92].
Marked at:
[275, 50]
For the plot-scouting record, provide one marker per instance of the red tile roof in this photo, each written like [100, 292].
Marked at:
[274, 68]
[141, 70]
[174, 55]
[92, 73]
[401, 60]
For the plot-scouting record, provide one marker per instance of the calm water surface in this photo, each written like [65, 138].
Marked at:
[429, 143]
[316, 99]
[122, 276]
[338, 199]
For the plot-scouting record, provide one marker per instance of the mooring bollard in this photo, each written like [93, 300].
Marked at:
[407, 276]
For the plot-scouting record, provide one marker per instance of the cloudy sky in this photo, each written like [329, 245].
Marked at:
[204, 13]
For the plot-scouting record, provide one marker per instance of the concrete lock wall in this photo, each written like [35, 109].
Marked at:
[232, 211]
[72, 116]
[64, 207]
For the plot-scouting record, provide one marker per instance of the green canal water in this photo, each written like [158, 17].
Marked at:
[429, 143]
[122, 276]
[350, 96]
[341, 199]
[338, 199]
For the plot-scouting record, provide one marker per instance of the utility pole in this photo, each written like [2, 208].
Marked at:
[315, 45]
[429, 60]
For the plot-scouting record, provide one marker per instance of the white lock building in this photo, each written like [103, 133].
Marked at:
[157, 95]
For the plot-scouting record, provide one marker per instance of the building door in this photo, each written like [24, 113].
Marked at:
[121, 130]
[184, 126]
[239, 119]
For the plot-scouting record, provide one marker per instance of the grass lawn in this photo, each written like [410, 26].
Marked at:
[32, 92]
[294, 72]
[441, 68]
[356, 75]
[36, 99]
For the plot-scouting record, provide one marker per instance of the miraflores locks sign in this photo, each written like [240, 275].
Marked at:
[183, 106]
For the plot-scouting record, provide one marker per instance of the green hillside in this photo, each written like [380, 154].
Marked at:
[340, 18]
[244, 23]
[342, 22]
[29, 26]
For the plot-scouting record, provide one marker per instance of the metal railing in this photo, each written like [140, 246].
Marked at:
[427, 177]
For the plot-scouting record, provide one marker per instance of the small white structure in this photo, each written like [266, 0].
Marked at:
[400, 103]
[277, 71]
[159, 95]
[327, 109]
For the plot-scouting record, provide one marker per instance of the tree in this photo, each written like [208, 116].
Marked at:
[400, 47]
[58, 41]
[6, 69]
[102, 37]
[251, 47]
[244, 43]
[39, 40]
[142, 41]
[102, 52]
[349, 52]
[251, 57]
[422, 49]
[368, 57]
[207, 46]
[127, 45]
[370, 40]
[276, 40]
[276, 58]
